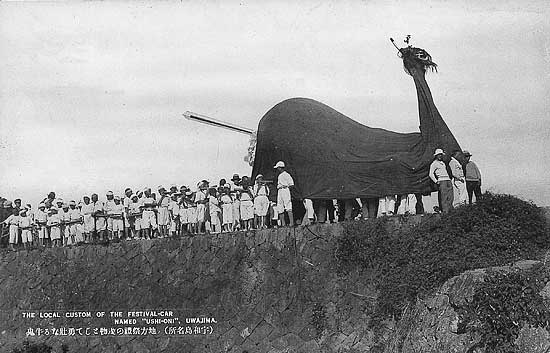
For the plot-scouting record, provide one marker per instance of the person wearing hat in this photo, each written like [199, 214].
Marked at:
[59, 202]
[459, 182]
[284, 201]
[247, 204]
[66, 225]
[235, 182]
[440, 176]
[236, 205]
[88, 218]
[182, 215]
[173, 189]
[108, 209]
[25, 225]
[163, 212]
[13, 223]
[261, 201]
[148, 217]
[188, 213]
[126, 203]
[100, 224]
[174, 212]
[473, 178]
[41, 219]
[54, 223]
[227, 209]
[214, 210]
[17, 204]
[201, 199]
[117, 216]
[51, 197]
[75, 217]
[30, 211]
[134, 217]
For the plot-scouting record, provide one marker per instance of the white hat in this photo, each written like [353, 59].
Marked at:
[161, 187]
[117, 197]
[59, 200]
[280, 164]
[109, 193]
[72, 202]
[259, 176]
[438, 151]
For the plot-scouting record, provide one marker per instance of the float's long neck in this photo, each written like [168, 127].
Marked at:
[433, 128]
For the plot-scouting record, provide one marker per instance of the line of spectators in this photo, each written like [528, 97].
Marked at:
[238, 205]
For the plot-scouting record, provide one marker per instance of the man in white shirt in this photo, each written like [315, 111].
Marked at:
[126, 201]
[439, 175]
[284, 202]
[460, 196]
[99, 218]
[88, 218]
[41, 218]
[108, 208]
[148, 217]
[74, 216]
[473, 177]
[201, 199]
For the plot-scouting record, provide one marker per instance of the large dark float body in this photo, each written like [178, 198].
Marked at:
[331, 156]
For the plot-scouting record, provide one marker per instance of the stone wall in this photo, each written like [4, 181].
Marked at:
[269, 291]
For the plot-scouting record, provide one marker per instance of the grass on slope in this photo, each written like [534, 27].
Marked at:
[497, 230]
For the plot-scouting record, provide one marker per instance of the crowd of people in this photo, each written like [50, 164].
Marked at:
[456, 177]
[240, 204]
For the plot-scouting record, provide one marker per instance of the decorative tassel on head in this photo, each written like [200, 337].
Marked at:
[414, 58]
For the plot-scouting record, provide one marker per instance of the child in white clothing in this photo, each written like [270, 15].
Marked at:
[227, 210]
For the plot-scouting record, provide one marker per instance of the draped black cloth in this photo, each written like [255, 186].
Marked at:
[331, 156]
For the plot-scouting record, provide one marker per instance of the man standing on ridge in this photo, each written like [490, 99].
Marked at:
[284, 202]
[459, 183]
[473, 178]
[439, 175]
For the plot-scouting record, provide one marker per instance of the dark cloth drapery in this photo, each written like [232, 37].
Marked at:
[331, 156]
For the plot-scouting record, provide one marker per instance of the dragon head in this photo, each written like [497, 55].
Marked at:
[415, 59]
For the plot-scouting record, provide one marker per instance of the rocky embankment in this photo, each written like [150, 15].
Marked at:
[438, 324]
[269, 291]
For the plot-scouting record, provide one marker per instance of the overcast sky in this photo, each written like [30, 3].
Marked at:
[92, 93]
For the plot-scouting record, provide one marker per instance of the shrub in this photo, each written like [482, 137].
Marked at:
[501, 306]
[497, 230]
